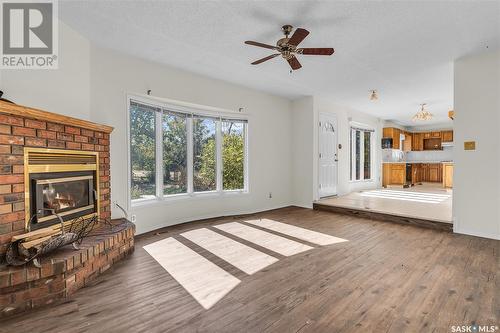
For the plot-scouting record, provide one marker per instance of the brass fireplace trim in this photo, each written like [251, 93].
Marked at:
[61, 180]
[50, 217]
[54, 153]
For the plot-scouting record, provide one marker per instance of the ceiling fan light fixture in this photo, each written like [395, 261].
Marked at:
[288, 47]
[373, 95]
[422, 114]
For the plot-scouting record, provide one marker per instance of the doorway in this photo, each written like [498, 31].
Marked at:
[328, 155]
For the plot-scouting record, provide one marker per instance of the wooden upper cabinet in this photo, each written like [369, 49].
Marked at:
[447, 136]
[394, 133]
[417, 141]
[414, 141]
[395, 138]
[407, 144]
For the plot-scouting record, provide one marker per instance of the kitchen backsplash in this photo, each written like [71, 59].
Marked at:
[393, 155]
[431, 155]
[396, 155]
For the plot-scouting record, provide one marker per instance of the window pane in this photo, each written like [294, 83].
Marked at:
[174, 153]
[358, 154]
[350, 153]
[142, 151]
[367, 157]
[233, 155]
[204, 159]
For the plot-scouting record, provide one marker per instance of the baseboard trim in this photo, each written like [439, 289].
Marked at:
[477, 234]
[156, 228]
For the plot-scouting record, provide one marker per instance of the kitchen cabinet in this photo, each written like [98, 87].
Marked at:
[394, 133]
[432, 144]
[417, 142]
[425, 172]
[407, 143]
[416, 170]
[447, 174]
[434, 176]
[386, 174]
[432, 172]
[447, 136]
[393, 174]
[398, 174]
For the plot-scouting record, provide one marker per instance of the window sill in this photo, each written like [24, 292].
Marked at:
[185, 196]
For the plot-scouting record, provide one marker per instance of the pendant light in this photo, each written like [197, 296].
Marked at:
[423, 114]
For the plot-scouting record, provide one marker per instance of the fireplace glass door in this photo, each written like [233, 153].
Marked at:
[69, 195]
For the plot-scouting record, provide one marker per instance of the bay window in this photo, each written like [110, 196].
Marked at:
[181, 152]
[142, 150]
[204, 154]
[233, 158]
[174, 153]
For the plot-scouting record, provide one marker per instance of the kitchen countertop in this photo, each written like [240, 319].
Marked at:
[416, 162]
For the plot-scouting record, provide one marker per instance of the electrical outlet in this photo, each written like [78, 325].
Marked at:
[270, 195]
[133, 218]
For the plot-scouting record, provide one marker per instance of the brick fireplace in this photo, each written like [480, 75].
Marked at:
[53, 161]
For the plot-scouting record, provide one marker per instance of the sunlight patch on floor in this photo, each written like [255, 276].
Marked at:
[424, 197]
[208, 283]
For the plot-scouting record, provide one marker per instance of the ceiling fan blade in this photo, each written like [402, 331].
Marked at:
[265, 59]
[317, 51]
[294, 63]
[249, 42]
[298, 36]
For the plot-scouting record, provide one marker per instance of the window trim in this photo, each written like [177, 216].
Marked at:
[352, 168]
[190, 109]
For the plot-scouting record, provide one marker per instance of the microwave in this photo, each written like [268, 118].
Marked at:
[386, 143]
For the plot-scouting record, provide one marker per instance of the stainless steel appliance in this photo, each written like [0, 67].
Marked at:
[387, 143]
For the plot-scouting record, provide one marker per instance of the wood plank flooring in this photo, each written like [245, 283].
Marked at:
[386, 278]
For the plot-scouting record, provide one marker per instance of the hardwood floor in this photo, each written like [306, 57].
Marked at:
[386, 278]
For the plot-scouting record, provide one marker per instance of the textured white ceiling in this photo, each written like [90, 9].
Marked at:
[405, 50]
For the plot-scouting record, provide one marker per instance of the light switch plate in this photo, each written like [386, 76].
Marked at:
[469, 145]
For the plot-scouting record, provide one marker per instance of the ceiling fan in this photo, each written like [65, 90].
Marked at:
[287, 47]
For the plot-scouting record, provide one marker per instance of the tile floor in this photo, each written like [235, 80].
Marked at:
[428, 201]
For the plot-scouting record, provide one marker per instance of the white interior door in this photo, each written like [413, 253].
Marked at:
[328, 161]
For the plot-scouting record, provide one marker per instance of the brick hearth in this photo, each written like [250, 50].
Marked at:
[65, 270]
[27, 127]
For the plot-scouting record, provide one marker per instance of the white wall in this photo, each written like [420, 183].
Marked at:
[302, 147]
[64, 90]
[476, 183]
[344, 117]
[113, 75]
[305, 148]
